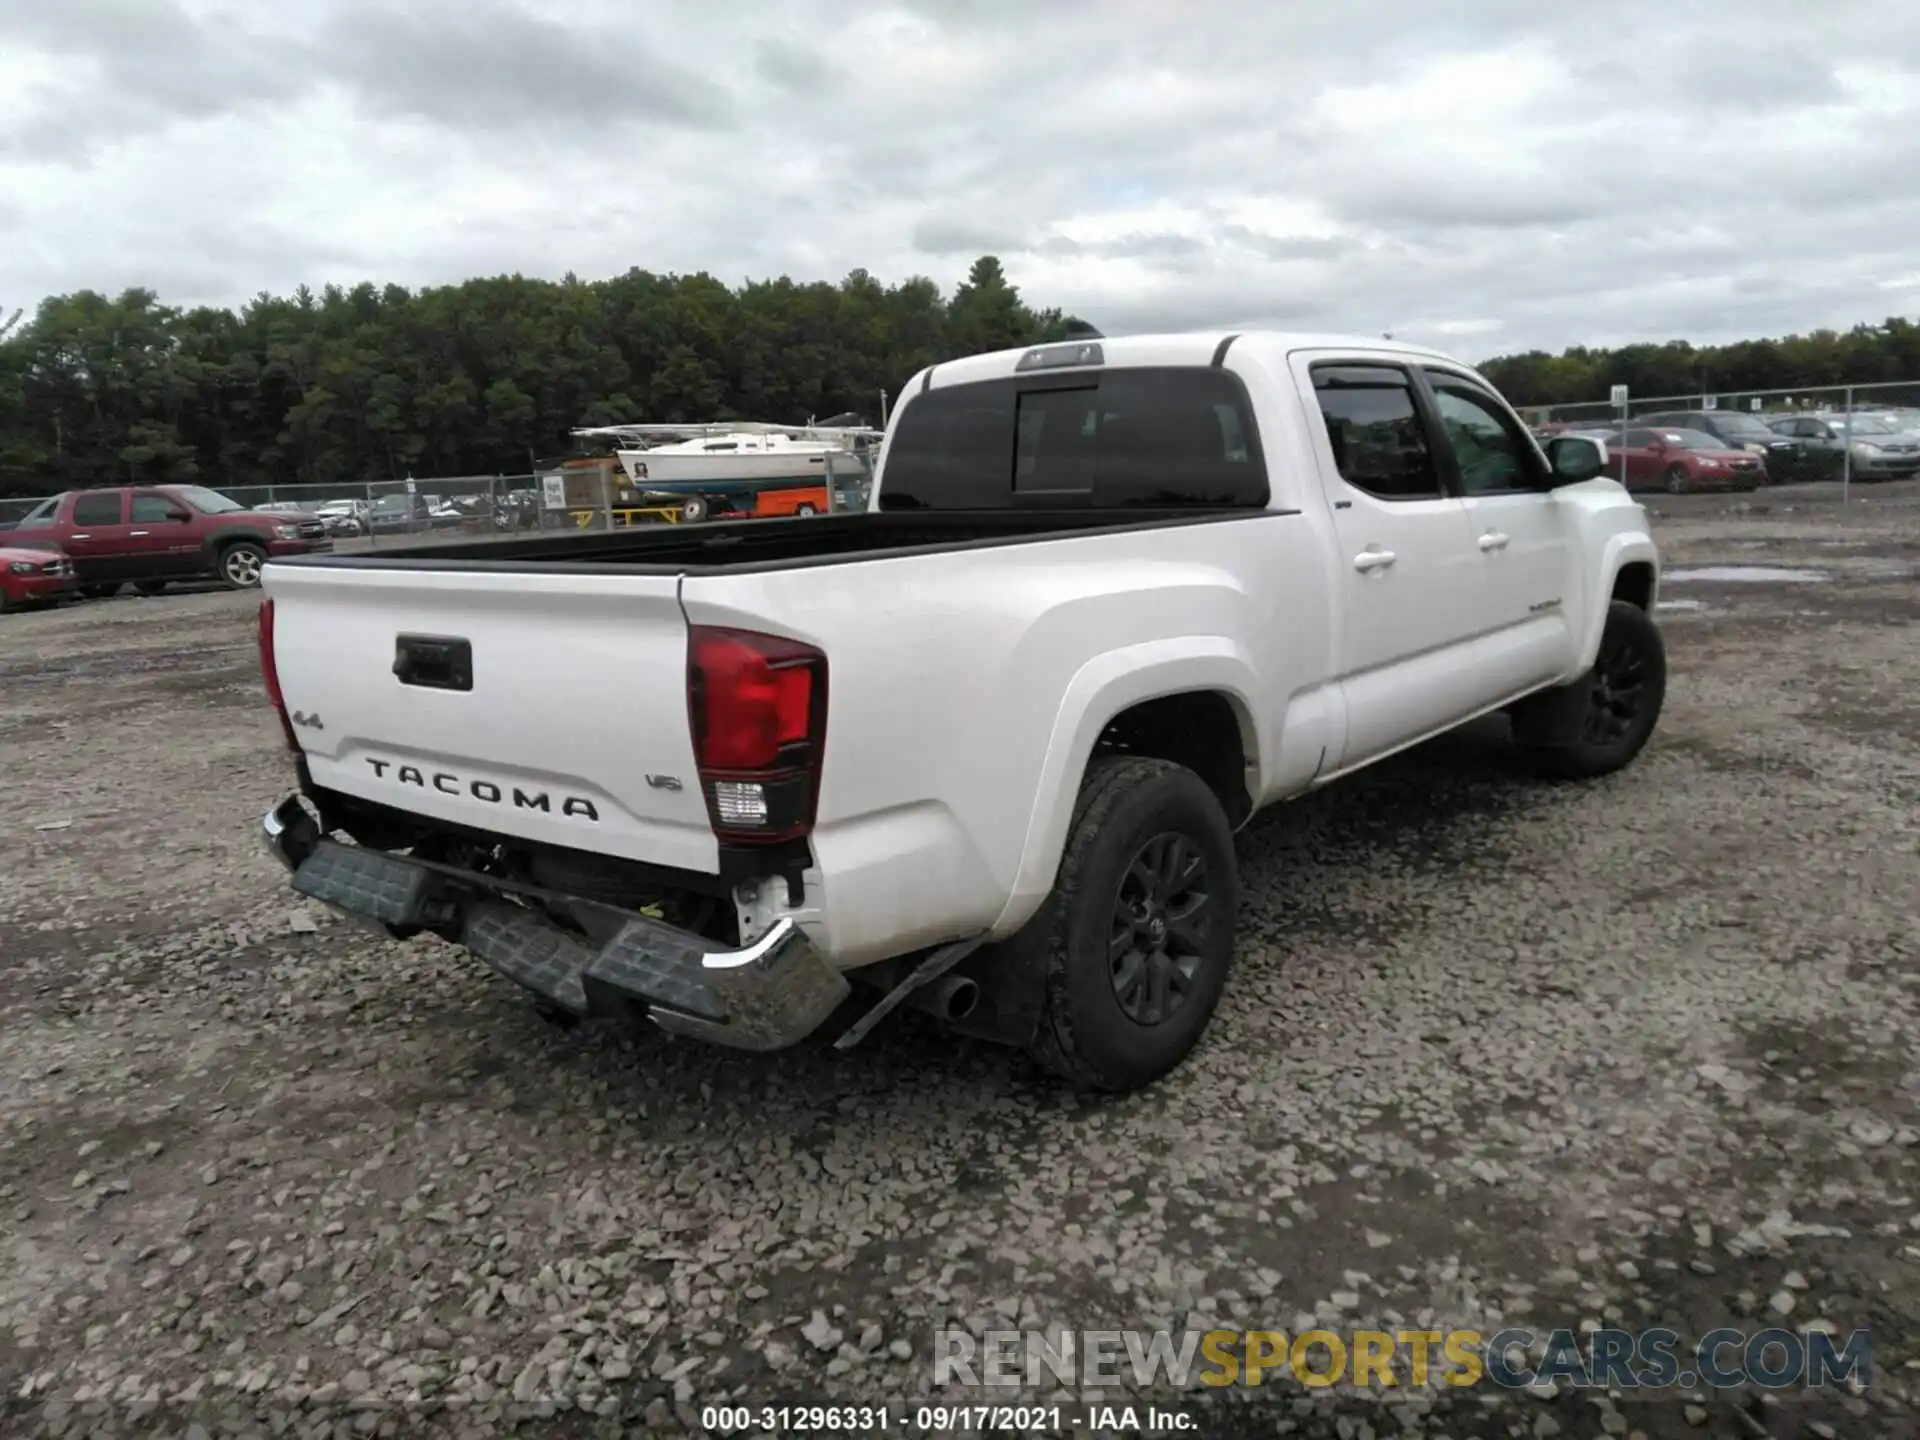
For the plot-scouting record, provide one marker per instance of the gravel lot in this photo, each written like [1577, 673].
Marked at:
[1641, 1052]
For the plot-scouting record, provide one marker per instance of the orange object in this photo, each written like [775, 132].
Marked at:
[800, 500]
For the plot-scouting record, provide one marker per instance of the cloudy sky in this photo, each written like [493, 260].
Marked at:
[1487, 174]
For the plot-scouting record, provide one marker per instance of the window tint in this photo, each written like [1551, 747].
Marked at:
[98, 509]
[1486, 446]
[1172, 436]
[149, 509]
[952, 450]
[41, 516]
[1379, 444]
[1054, 435]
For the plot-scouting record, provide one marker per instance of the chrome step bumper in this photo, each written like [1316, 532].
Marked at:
[764, 996]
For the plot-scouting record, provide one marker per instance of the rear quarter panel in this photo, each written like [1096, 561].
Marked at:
[966, 688]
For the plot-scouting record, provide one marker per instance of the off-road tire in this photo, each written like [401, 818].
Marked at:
[1561, 732]
[1084, 1034]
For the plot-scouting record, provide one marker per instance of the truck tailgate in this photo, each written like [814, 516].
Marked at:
[571, 726]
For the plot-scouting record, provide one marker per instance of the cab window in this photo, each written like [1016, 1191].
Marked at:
[1373, 425]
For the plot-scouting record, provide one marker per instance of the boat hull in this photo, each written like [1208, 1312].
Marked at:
[723, 473]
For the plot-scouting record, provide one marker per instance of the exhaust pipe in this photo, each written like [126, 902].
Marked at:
[952, 997]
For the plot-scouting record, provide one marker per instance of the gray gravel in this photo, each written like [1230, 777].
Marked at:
[1638, 1052]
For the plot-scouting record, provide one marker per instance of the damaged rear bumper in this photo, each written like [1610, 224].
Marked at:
[764, 996]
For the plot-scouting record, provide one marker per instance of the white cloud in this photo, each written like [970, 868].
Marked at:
[1489, 177]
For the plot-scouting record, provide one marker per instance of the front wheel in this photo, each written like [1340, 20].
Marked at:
[1600, 722]
[240, 565]
[1675, 480]
[1138, 932]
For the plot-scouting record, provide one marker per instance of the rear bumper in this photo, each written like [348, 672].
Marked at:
[764, 996]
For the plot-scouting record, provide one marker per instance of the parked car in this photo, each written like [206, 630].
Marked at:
[1736, 430]
[1196, 574]
[402, 514]
[152, 535]
[34, 575]
[1679, 461]
[344, 517]
[1880, 451]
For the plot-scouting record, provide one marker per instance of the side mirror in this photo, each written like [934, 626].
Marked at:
[180, 513]
[1575, 458]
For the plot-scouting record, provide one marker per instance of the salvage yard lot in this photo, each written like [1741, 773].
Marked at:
[1492, 1048]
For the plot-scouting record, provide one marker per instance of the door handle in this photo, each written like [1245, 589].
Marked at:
[1493, 540]
[1373, 560]
[79, 537]
[136, 534]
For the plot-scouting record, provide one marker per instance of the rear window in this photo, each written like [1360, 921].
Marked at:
[1172, 437]
[98, 509]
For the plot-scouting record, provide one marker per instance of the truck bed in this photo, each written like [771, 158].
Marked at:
[772, 544]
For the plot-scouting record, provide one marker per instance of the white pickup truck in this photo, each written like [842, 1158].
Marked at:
[983, 746]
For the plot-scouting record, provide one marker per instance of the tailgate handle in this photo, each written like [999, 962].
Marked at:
[436, 662]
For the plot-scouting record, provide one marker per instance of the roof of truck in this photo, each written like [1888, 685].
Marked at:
[1192, 347]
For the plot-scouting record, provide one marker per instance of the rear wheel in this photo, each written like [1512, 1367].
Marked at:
[1600, 722]
[99, 592]
[240, 565]
[1139, 928]
[151, 587]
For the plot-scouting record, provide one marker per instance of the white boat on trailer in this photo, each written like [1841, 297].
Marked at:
[729, 457]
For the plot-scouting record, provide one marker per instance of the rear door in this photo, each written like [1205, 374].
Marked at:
[1405, 564]
[97, 537]
[547, 705]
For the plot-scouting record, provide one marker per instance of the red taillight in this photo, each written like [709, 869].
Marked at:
[758, 704]
[270, 675]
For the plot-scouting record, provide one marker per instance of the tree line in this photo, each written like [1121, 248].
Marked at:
[484, 377]
[489, 376]
[1824, 359]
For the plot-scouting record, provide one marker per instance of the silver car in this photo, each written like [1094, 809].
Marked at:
[1879, 450]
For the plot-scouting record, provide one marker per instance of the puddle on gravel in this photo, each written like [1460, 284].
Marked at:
[1690, 605]
[1747, 575]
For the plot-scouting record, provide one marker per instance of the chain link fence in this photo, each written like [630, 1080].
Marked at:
[573, 496]
[1834, 435]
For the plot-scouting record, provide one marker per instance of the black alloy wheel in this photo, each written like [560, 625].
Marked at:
[1161, 916]
[1618, 690]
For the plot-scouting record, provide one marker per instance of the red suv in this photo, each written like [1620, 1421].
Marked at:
[151, 535]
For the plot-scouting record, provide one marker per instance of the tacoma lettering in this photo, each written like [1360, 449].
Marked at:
[485, 791]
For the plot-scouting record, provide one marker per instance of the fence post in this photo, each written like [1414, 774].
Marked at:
[1846, 465]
